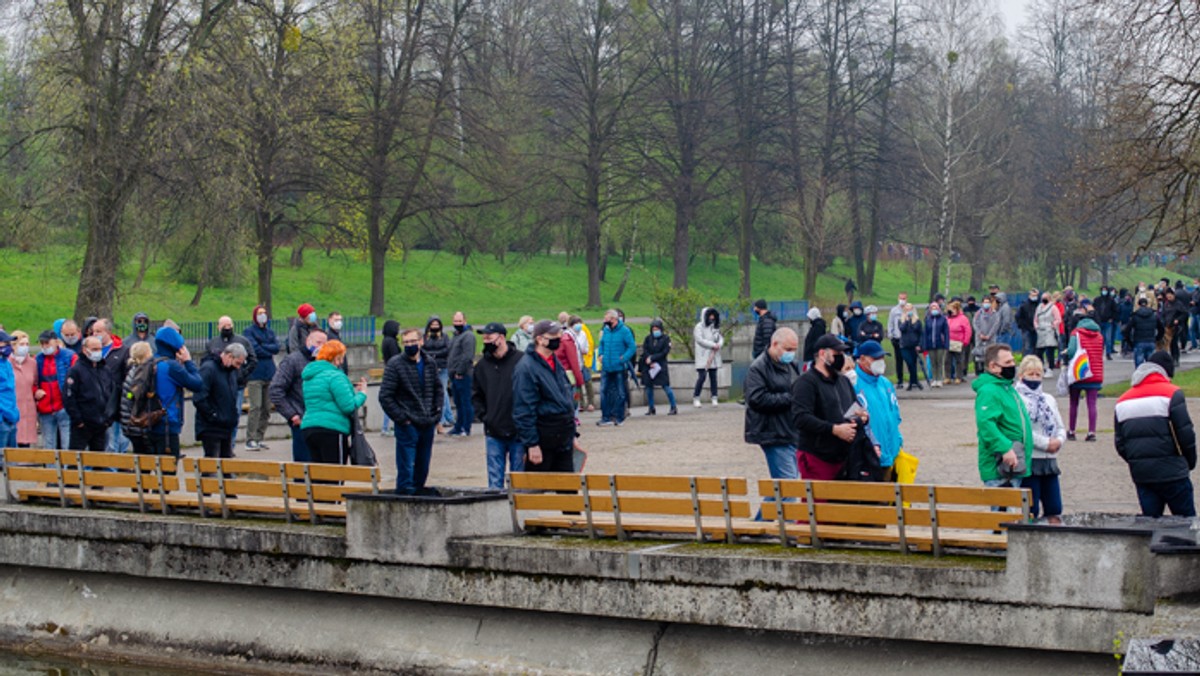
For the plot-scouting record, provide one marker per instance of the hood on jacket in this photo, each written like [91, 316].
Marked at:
[391, 328]
[316, 367]
[856, 304]
[840, 311]
[703, 317]
[1089, 324]
[657, 324]
[432, 319]
[1002, 298]
[168, 341]
[814, 313]
[254, 314]
[1146, 370]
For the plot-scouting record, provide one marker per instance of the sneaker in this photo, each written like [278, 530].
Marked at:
[714, 401]
[1070, 436]
[1090, 437]
[459, 435]
[604, 423]
[696, 402]
[252, 445]
[618, 423]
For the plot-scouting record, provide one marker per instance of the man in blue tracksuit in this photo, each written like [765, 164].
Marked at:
[617, 350]
[176, 372]
[880, 395]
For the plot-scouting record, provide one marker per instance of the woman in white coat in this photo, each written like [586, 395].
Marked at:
[708, 344]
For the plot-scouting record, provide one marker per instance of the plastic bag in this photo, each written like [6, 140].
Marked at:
[906, 467]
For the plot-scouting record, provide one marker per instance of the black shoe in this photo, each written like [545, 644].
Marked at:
[1090, 437]
[1070, 436]
[651, 412]
[673, 411]
[910, 386]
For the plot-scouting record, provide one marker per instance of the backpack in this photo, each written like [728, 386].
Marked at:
[145, 408]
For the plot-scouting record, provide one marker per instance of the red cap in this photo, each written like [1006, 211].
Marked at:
[305, 310]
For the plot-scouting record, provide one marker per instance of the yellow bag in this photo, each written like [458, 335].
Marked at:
[906, 467]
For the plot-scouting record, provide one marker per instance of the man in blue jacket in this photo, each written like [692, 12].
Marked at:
[880, 395]
[172, 376]
[617, 350]
[544, 404]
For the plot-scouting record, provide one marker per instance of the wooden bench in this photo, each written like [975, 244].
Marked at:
[921, 517]
[313, 490]
[617, 505]
[85, 477]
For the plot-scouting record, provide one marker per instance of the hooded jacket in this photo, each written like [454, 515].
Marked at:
[134, 337]
[218, 344]
[708, 341]
[1087, 335]
[1145, 326]
[264, 345]
[407, 397]
[329, 397]
[436, 347]
[9, 413]
[852, 320]
[880, 396]
[657, 350]
[768, 390]
[172, 378]
[287, 387]
[52, 379]
[492, 393]
[816, 329]
[1000, 421]
[540, 393]
[216, 405]
[391, 340]
[762, 334]
[818, 403]
[1154, 432]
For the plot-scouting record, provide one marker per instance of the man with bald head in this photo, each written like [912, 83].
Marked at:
[768, 390]
[224, 338]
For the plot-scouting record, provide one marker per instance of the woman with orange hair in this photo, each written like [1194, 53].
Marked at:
[329, 401]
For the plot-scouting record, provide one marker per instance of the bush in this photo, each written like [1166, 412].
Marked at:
[679, 310]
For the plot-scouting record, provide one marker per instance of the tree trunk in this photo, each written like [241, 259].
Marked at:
[98, 279]
[811, 268]
[143, 263]
[882, 150]
[628, 262]
[746, 230]
[684, 211]
[265, 228]
[591, 233]
[297, 258]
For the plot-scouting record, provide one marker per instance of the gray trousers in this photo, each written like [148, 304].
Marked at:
[260, 409]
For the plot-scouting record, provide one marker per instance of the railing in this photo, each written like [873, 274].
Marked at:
[355, 331]
[784, 311]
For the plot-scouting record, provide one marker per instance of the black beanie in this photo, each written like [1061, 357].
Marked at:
[1164, 360]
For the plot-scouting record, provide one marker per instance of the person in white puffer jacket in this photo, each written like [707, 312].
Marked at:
[708, 344]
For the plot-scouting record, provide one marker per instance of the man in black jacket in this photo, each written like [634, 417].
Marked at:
[216, 347]
[1143, 331]
[543, 403]
[1104, 311]
[1026, 315]
[769, 403]
[287, 390]
[411, 396]
[764, 330]
[90, 399]
[216, 405]
[492, 398]
[1154, 434]
[1175, 322]
[821, 399]
[460, 362]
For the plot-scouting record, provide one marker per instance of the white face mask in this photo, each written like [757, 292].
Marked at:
[852, 376]
[50, 350]
[336, 325]
[21, 351]
[878, 367]
[262, 318]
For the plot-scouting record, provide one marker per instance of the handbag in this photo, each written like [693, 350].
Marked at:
[905, 466]
[361, 452]
[956, 346]
[1080, 367]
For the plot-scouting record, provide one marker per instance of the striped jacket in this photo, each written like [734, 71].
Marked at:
[1154, 431]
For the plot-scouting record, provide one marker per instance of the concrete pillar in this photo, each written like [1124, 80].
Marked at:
[416, 529]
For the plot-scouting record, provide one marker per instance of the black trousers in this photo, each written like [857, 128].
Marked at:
[326, 445]
[556, 439]
[89, 437]
[217, 444]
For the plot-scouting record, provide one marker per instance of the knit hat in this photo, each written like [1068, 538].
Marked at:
[761, 304]
[1164, 360]
[305, 310]
[814, 313]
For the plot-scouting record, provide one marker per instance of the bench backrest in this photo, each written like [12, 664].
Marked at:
[296, 486]
[83, 470]
[939, 508]
[630, 496]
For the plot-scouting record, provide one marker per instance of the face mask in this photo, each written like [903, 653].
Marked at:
[852, 376]
[489, 348]
[553, 344]
[1033, 299]
[22, 351]
[314, 350]
[611, 325]
[435, 330]
[1045, 301]
[839, 360]
[5, 352]
[656, 333]
[95, 356]
[1104, 292]
[577, 327]
[1008, 372]
[411, 350]
[1032, 384]
[987, 306]
[50, 350]
[787, 357]
[528, 328]
[142, 328]
[336, 325]
[872, 316]
[935, 312]
[878, 367]
[311, 318]
[226, 333]
[458, 328]
[901, 300]
[70, 340]
[857, 312]
[262, 318]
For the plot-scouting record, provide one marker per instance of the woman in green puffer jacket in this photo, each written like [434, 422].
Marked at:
[329, 402]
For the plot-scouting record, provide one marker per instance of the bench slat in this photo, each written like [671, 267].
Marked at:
[546, 481]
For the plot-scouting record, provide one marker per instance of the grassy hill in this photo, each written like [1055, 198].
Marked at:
[40, 286]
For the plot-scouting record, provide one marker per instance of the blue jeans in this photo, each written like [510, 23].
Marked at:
[447, 408]
[666, 388]
[612, 396]
[117, 442]
[1142, 352]
[414, 448]
[241, 397]
[1109, 331]
[499, 450]
[56, 429]
[464, 410]
[781, 464]
[387, 424]
[1046, 493]
[299, 446]
[1174, 494]
[1194, 331]
[8, 438]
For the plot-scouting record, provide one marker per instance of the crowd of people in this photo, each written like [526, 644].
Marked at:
[824, 410]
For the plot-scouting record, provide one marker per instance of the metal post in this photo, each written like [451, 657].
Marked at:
[728, 512]
[783, 536]
[933, 521]
[612, 487]
[696, 511]
[812, 515]
[587, 505]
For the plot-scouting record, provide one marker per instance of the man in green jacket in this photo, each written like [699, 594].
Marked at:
[1001, 421]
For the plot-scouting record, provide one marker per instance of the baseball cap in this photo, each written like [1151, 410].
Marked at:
[870, 349]
[546, 326]
[830, 342]
[4, 337]
[492, 327]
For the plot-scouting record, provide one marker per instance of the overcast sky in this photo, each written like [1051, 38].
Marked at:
[1013, 12]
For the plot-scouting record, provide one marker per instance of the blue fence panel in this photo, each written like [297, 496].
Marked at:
[355, 331]
[784, 311]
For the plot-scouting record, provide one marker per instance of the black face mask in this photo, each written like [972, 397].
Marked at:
[412, 350]
[839, 362]
[459, 328]
[553, 344]
[434, 332]
[490, 348]
[1032, 384]
[226, 333]
[1008, 372]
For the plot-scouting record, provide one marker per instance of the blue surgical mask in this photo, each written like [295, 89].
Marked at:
[577, 327]
[872, 316]
[935, 312]
[313, 350]
[656, 333]
[787, 357]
